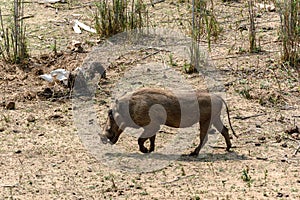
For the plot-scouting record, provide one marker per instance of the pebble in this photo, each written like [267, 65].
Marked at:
[11, 106]
[262, 138]
[284, 145]
[30, 118]
[18, 151]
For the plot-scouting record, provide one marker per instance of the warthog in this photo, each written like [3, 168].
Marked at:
[149, 108]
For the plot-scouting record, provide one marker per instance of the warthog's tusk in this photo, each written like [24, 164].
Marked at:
[122, 126]
[104, 138]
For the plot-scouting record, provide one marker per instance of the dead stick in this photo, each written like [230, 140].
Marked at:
[177, 179]
[296, 151]
[156, 2]
[247, 117]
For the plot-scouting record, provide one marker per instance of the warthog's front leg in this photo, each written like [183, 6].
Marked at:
[147, 134]
[141, 142]
[152, 143]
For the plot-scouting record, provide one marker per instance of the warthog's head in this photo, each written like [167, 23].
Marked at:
[113, 130]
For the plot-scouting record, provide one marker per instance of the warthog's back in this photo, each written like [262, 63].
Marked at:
[175, 109]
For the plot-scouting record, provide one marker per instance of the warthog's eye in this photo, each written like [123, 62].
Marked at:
[110, 114]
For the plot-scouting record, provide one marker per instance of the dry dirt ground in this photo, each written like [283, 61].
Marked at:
[43, 157]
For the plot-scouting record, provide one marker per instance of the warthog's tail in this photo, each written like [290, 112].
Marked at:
[227, 110]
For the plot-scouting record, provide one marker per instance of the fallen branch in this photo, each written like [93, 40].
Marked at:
[84, 27]
[292, 139]
[296, 151]
[156, 2]
[152, 54]
[247, 117]
[25, 17]
[177, 179]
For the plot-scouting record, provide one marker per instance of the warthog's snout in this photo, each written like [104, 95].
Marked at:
[112, 130]
[104, 139]
[112, 140]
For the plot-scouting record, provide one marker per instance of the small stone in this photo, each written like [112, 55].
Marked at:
[55, 116]
[16, 131]
[18, 151]
[284, 145]
[30, 118]
[278, 139]
[11, 106]
[257, 144]
[260, 158]
[89, 169]
[2, 104]
[2, 129]
[279, 194]
[242, 28]
[295, 136]
[262, 138]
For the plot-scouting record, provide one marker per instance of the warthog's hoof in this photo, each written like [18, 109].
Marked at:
[228, 148]
[195, 154]
[144, 150]
[151, 149]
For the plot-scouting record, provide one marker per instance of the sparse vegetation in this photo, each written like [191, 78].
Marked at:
[13, 47]
[116, 16]
[205, 23]
[290, 31]
[171, 60]
[246, 177]
[252, 30]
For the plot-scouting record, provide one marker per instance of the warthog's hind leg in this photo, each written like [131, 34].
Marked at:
[224, 131]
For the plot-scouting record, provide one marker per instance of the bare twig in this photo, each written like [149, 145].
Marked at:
[177, 179]
[156, 2]
[247, 117]
[296, 151]
[252, 32]
[25, 17]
